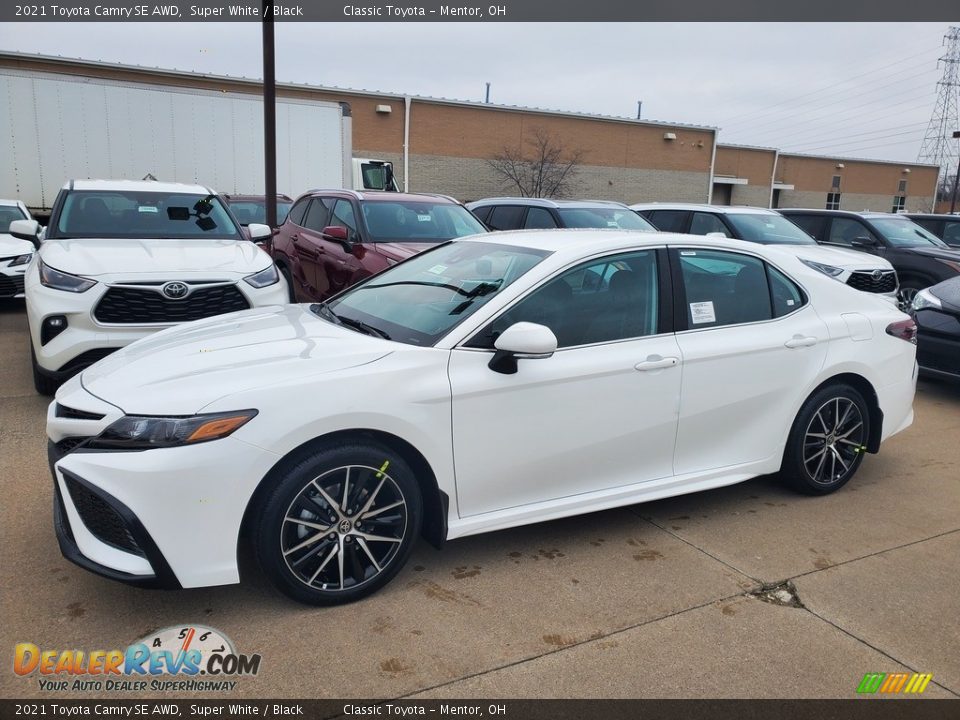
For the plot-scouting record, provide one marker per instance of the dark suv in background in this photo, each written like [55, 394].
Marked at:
[332, 239]
[513, 213]
[944, 226]
[920, 258]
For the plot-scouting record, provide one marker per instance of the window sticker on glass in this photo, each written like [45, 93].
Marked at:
[437, 269]
[423, 218]
[702, 312]
[689, 253]
[148, 209]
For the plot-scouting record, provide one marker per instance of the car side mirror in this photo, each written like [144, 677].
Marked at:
[339, 234]
[522, 340]
[863, 242]
[28, 230]
[258, 232]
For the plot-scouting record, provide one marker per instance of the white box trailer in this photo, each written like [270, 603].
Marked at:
[62, 126]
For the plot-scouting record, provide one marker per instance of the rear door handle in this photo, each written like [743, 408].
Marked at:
[800, 341]
[656, 362]
[305, 249]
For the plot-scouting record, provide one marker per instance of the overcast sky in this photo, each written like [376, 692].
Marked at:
[857, 89]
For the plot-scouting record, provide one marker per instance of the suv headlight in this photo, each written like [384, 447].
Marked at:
[924, 300]
[821, 268]
[267, 276]
[134, 432]
[51, 278]
[22, 260]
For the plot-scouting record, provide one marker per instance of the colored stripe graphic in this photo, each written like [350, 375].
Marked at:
[893, 683]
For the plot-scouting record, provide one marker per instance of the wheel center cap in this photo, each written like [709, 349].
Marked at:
[831, 439]
[345, 526]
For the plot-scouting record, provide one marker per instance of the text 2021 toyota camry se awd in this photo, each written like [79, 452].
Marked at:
[489, 382]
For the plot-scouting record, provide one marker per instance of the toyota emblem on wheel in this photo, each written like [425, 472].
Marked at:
[175, 290]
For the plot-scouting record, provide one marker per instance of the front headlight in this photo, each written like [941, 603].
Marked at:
[821, 268]
[925, 300]
[264, 278]
[22, 260]
[952, 264]
[134, 432]
[58, 280]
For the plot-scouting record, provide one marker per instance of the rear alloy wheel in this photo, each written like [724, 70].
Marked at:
[828, 440]
[907, 292]
[340, 525]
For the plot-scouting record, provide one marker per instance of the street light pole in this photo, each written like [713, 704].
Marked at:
[269, 116]
[956, 180]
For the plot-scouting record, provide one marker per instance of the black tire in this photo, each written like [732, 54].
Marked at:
[285, 271]
[814, 465]
[294, 512]
[42, 383]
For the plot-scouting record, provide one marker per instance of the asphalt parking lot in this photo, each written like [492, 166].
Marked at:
[657, 600]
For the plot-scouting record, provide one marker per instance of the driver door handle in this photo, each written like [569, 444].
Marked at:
[655, 362]
[800, 341]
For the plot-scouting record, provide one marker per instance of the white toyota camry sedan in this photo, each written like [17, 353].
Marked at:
[490, 382]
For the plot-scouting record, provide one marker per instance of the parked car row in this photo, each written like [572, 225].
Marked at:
[15, 253]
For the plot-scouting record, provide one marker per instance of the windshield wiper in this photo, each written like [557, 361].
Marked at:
[323, 310]
[481, 289]
[363, 327]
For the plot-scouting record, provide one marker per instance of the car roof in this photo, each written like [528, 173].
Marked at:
[721, 209]
[544, 202]
[853, 213]
[933, 216]
[138, 186]
[583, 242]
[383, 195]
[230, 197]
[10, 203]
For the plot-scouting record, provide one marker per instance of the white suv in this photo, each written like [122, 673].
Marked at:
[15, 253]
[768, 227]
[122, 259]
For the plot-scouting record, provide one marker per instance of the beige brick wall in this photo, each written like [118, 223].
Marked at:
[471, 179]
[754, 195]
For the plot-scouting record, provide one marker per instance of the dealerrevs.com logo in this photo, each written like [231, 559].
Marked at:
[200, 658]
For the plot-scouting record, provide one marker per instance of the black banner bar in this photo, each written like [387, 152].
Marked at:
[854, 709]
[482, 11]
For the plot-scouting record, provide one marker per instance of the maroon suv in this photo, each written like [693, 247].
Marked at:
[334, 238]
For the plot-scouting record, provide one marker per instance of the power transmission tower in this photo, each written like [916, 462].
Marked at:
[939, 147]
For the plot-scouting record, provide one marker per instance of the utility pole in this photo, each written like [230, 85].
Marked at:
[269, 116]
[956, 180]
[937, 147]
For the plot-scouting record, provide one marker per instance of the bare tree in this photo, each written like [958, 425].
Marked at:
[540, 167]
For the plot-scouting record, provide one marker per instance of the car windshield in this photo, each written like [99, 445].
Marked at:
[115, 214]
[418, 221]
[422, 299]
[902, 232]
[255, 211]
[768, 229]
[8, 214]
[604, 217]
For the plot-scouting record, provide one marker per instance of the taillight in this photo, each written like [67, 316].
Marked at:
[904, 329]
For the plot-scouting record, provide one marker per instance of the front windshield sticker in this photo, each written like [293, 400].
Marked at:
[148, 209]
[437, 269]
[423, 218]
[702, 312]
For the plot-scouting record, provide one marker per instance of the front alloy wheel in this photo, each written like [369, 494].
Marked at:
[339, 524]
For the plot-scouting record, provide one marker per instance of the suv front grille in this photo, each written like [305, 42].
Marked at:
[126, 305]
[11, 285]
[100, 519]
[865, 281]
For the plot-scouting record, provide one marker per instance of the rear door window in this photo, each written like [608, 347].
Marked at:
[669, 220]
[724, 288]
[318, 216]
[704, 223]
[813, 225]
[539, 219]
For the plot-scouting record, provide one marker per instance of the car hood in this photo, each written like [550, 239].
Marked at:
[838, 257]
[402, 250]
[180, 370]
[936, 252]
[9, 245]
[94, 257]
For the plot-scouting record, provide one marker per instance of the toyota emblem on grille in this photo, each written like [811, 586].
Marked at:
[175, 290]
[877, 274]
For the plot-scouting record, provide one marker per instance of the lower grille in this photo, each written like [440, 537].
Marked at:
[85, 360]
[100, 519]
[884, 282]
[11, 285]
[126, 305]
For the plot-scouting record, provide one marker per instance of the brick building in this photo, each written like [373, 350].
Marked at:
[450, 143]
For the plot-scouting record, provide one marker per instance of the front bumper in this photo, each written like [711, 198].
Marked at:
[166, 517]
[11, 280]
[938, 342]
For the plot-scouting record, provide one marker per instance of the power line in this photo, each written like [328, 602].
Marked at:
[808, 148]
[797, 98]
